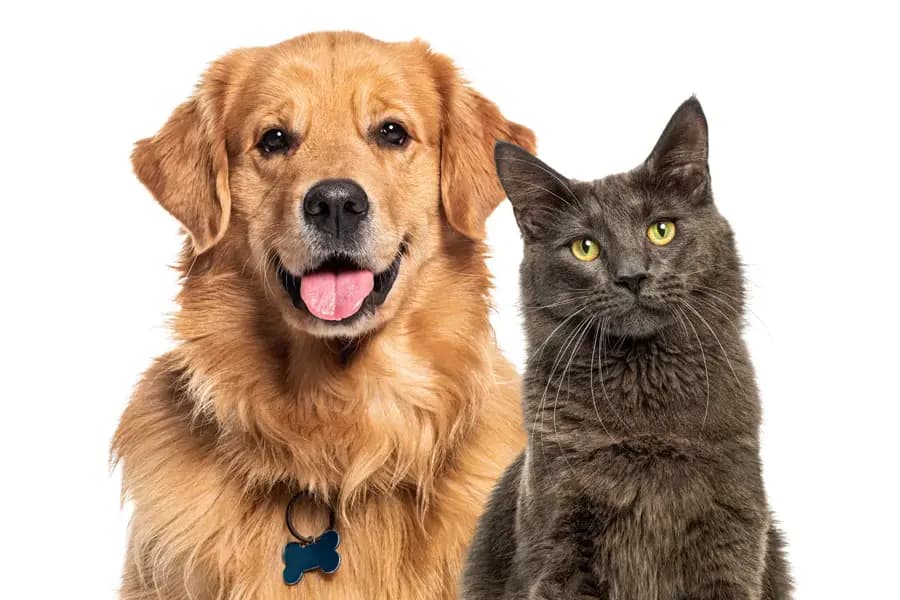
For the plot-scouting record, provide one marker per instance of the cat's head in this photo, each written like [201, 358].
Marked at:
[636, 252]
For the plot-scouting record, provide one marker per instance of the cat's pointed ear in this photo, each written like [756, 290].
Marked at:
[535, 190]
[680, 157]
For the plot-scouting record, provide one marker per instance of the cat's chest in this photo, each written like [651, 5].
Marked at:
[624, 394]
[651, 377]
[645, 374]
[648, 475]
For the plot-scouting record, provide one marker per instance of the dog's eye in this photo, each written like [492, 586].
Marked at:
[392, 134]
[274, 140]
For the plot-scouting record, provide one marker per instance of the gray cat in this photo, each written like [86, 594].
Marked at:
[641, 479]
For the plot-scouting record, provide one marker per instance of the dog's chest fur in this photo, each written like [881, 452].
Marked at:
[209, 504]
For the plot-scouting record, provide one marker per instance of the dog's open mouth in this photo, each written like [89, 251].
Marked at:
[340, 289]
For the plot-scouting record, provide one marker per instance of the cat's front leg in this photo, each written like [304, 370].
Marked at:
[737, 578]
[568, 586]
[565, 573]
[723, 590]
[724, 559]
[554, 571]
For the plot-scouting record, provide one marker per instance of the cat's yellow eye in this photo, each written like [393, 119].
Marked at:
[585, 249]
[661, 232]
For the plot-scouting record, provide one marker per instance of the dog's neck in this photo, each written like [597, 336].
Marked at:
[333, 418]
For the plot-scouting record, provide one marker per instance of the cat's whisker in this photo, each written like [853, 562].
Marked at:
[620, 341]
[560, 353]
[720, 293]
[568, 292]
[573, 299]
[721, 269]
[712, 300]
[722, 301]
[705, 370]
[680, 321]
[727, 300]
[591, 377]
[540, 348]
[716, 337]
[538, 353]
[713, 307]
[599, 307]
[575, 346]
[605, 326]
[710, 269]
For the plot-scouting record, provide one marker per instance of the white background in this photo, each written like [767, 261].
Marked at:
[803, 110]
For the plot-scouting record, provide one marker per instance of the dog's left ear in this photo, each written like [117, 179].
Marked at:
[472, 124]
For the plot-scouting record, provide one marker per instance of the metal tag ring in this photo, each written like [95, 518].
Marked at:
[288, 519]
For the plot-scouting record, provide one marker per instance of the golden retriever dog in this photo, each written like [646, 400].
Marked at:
[333, 342]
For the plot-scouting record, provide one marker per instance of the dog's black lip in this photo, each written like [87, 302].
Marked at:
[384, 281]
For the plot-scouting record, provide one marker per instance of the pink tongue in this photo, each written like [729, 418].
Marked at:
[335, 296]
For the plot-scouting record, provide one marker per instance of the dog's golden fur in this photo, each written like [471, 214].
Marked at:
[403, 433]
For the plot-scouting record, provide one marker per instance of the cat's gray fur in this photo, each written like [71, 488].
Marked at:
[641, 479]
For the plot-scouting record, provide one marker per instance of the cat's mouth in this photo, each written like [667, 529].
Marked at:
[650, 305]
[640, 317]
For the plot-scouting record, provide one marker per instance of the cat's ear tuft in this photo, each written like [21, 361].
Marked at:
[681, 154]
[535, 190]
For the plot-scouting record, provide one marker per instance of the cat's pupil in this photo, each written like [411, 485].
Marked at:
[661, 229]
[586, 246]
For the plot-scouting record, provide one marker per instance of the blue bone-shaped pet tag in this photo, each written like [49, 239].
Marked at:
[321, 554]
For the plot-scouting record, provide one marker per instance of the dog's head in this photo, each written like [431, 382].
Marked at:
[331, 166]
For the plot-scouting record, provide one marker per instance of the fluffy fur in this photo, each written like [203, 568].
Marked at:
[401, 420]
[641, 479]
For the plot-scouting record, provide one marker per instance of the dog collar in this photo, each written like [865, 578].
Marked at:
[309, 553]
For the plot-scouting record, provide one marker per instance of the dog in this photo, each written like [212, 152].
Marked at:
[332, 340]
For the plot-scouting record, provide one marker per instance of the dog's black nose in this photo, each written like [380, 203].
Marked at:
[632, 281]
[336, 206]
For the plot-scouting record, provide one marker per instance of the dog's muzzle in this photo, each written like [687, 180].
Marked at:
[339, 289]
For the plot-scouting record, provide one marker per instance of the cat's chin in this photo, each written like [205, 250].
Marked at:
[639, 323]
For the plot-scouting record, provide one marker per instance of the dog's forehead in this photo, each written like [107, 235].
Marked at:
[355, 73]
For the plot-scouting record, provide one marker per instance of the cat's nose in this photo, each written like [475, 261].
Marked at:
[632, 281]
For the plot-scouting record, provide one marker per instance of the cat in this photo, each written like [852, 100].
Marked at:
[641, 479]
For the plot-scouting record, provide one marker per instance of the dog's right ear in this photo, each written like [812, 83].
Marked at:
[471, 126]
[185, 165]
